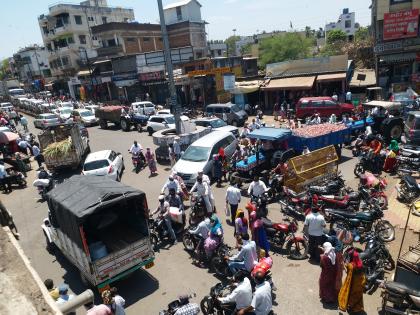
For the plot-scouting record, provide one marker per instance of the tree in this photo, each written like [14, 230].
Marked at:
[4, 68]
[290, 46]
[361, 34]
[320, 33]
[335, 36]
[247, 49]
[231, 44]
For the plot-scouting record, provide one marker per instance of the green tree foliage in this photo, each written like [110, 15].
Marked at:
[290, 46]
[361, 34]
[246, 50]
[231, 44]
[4, 68]
[336, 36]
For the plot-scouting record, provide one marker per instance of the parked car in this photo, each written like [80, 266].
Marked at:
[412, 128]
[216, 124]
[46, 120]
[104, 163]
[144, 108]
[234, 114]
[67, 105]
[324, 106]
[92, 108]
[85, 116]
[163, 112]
[199, 155]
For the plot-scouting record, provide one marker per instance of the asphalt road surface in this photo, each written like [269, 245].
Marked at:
[148, 292]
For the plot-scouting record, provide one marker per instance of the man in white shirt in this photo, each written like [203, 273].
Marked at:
[171, 183]
[177, 148]
[247, 257]
[163, 210]
[242, 294]
[314, 226]
[306, 150]
[135, 148]
[233, 198]
[262, 302]
[257, 187]
[4, 180]
[316, 120]
[23, 146]
[37, 155]
[203, 191]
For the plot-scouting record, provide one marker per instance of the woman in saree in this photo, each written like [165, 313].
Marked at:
[328, 292]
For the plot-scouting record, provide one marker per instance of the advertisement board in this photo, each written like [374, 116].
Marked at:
[229, 81]
[401, 24]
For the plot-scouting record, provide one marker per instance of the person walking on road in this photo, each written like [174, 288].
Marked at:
[328, 292]
[233, 198]
[314, 227]
[151, 162]
[24, 123]
[37, 155]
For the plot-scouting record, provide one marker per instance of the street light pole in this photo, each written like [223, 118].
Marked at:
[172, 91]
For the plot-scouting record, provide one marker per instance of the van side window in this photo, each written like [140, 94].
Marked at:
[218, 110]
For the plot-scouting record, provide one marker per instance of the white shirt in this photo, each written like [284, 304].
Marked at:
[135, 149]
[171, 184]
[257, 188]
[248, 255]
[2, 171]
[368, 130]
[177, 148]
[261, 301]
[348, 96]
[233, 195]
[315, 223]
[202, 229]
[35, 151]
[119, 300]
[241, 295]
[23, 144]
[201, 188]
[244, 132]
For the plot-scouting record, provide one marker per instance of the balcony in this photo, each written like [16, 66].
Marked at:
[110, 51]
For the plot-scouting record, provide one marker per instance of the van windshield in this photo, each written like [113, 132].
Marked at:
[196, 154]
[235, 108]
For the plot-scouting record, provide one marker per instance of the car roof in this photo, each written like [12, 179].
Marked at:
[220, 105]
[211, 139]
[316, 98]
[47, 114]
[98, 155]
[207, 119]
[140, 103]
[80, 110]
[162, 116]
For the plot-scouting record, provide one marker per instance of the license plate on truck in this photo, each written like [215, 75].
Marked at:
[150, 265]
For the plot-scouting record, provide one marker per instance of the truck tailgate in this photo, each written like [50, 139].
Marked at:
[122, 260]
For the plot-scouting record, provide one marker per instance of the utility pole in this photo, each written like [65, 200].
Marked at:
[37, 62]
[168, 60]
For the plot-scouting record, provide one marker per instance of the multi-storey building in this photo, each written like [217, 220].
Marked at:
[31, 63]
[397, 43]
[67, 35]
[346, 22]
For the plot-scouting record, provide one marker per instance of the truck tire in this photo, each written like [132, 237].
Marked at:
[103, 124]
[392, 130]
[125, 125]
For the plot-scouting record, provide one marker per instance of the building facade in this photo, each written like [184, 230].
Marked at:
[346, 22]
[67, 35]
[31, 64]
[395, 25]
[187, 10]
[217, 49]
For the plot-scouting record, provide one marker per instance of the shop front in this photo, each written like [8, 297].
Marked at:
[154, 87]
[329, 84]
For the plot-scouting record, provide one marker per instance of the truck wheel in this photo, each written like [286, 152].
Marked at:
[125, 125]
[393, 130]
[103, 124]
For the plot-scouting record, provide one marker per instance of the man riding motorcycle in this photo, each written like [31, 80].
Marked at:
[137, 152]
[174, 200]
[241, 295]
[163, 210]
[247, 256]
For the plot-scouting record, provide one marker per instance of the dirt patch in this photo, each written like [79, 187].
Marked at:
[20, 293]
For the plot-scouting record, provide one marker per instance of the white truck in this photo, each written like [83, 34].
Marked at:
[101, 227]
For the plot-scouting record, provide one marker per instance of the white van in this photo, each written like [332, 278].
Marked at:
[144, 108]
[199, 155]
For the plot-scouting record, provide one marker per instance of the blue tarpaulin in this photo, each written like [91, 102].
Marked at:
[270, 134]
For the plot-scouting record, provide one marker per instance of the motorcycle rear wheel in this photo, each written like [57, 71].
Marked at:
[206, 306]
[219, 267]
[297, 249]
[154, 241]
[359, 169]
[385, 230]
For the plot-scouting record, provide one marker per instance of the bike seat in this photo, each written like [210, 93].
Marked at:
[400, 288]
[342, 213]
[281, 226]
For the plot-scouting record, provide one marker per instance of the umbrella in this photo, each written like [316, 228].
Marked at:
[7, 136]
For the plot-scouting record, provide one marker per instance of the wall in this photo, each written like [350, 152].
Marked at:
[190, 12]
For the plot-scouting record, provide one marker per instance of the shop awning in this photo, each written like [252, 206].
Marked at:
[363, 78]
[246, 87]
[296, 83]
[398, 57]
[331, 77]
[83, 73]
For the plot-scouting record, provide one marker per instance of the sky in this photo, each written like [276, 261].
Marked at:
[19, 24]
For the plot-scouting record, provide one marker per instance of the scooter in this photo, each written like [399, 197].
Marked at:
[173, 307]
[191, 242]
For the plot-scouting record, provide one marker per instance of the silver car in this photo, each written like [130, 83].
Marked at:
[46, 120]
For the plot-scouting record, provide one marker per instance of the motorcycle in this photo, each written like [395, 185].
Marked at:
[367, 163]
[191, 242]
[332, 187]
[173, 307]
[363, 222]
[408, 189]
[295, 203]
[358, 144]
[407, 165]
[159, 231]
[198, 210]
[274, 182]
[404, 299]
[16, 178]
[279, 234]
[218, 263]
[139, 161]
[210, 304]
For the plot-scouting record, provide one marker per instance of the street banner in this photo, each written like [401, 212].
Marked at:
[402, 24]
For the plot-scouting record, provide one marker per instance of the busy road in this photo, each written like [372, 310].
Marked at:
[147, 292]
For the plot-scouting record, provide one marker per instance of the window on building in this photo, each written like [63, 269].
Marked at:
[90, 18]
[82, 39]
[65, 61]
[94, 38]
[179, 13]
[49, 47]
[347, 23]
[111, 43]
[45, 30]
[78, 19]
[146, 39]
[104, 20]
[70, 40]
[219, 52]
[125, 20]
[130, 39]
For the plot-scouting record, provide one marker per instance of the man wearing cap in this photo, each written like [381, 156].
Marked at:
[63, 290]
[187, 308]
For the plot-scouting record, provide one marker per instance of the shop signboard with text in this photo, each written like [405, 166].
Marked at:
[402, 24]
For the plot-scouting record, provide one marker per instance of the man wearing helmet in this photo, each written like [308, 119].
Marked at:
[163, 210]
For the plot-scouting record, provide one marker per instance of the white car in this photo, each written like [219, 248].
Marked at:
[64, 113]
[143, 108]
[92, 108]
[85, 116]
[67, 105]
[104, 163]
[160, 122]
[164, 112]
